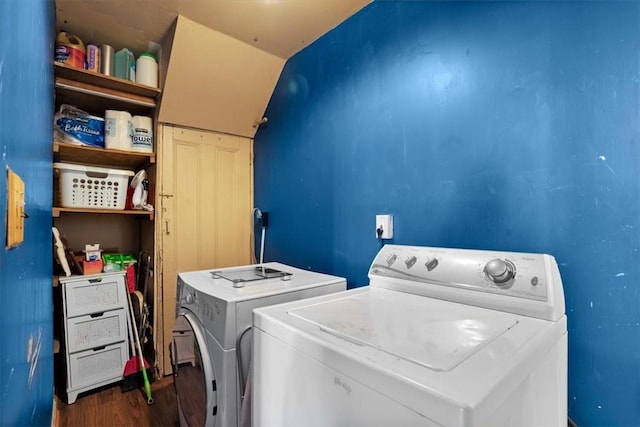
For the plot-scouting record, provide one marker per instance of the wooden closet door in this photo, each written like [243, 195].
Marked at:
[206, 200]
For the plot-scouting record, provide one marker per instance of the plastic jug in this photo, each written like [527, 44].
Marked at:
[147, 70]
[70, 50]
[125, 65]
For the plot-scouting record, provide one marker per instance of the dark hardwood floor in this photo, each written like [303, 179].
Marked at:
[110, 407]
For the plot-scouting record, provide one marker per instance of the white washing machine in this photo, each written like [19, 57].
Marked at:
[213, 333]
[440, 337]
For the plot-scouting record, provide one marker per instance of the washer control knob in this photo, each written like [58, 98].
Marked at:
[189, 298]
[500, 270]
[431, 264]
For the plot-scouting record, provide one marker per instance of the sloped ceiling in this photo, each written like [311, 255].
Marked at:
[279, 27]
[227, 83]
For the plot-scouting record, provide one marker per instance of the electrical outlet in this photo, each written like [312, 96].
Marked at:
[384, 226]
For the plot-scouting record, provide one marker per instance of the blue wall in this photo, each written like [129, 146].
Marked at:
[495, 125]
[26, 118]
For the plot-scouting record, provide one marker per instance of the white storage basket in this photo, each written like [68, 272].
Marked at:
[92, 187]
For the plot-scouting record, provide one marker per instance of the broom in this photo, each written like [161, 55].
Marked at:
[138, 364]
[132, 376]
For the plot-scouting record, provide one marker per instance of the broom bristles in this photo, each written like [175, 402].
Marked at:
[132, 377]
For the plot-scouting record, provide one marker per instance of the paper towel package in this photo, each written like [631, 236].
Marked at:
[142, 136]
[118, 130]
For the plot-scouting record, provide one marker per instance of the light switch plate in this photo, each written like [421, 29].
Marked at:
[15, 209]
[386, 223]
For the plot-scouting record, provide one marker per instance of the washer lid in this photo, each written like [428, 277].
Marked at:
[417, 329]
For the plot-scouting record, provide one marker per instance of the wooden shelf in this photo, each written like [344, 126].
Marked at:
[91, 91]
[65, 152]
[100, 92]
[57, 211]
[103, 81]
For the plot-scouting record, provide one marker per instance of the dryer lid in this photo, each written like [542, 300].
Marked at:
[239, 277]
[430, 333]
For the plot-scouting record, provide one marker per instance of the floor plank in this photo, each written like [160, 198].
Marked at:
[111, 407]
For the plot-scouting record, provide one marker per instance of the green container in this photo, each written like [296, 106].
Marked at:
[116, 262]
[125, 65]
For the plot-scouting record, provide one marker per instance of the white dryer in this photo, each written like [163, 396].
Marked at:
[441, 337]
[212, 333]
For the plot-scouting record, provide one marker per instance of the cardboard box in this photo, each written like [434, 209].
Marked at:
[92, 252]
[92, 267]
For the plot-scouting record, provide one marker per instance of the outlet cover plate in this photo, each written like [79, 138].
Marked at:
[386, 222]
[15, 209]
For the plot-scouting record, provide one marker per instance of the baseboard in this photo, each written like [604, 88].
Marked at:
[54, 413]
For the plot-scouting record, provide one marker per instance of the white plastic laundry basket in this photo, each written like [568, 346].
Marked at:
[92, 187]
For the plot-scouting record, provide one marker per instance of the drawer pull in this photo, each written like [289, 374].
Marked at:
[94, 315]
[99, 348]
[97, 280]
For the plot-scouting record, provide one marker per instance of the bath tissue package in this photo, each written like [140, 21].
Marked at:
[75, 126]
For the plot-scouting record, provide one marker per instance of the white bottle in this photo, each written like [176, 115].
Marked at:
[147, 70]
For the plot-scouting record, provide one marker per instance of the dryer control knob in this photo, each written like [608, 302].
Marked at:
[500, 270]
[189, 298]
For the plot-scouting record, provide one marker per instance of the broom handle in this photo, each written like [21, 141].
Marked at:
[147, 386]
[129, 328]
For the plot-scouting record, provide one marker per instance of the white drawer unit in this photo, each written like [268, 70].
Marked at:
[95, 326]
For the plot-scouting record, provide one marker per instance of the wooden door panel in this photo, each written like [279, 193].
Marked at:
[230, 214]
[185, 204]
